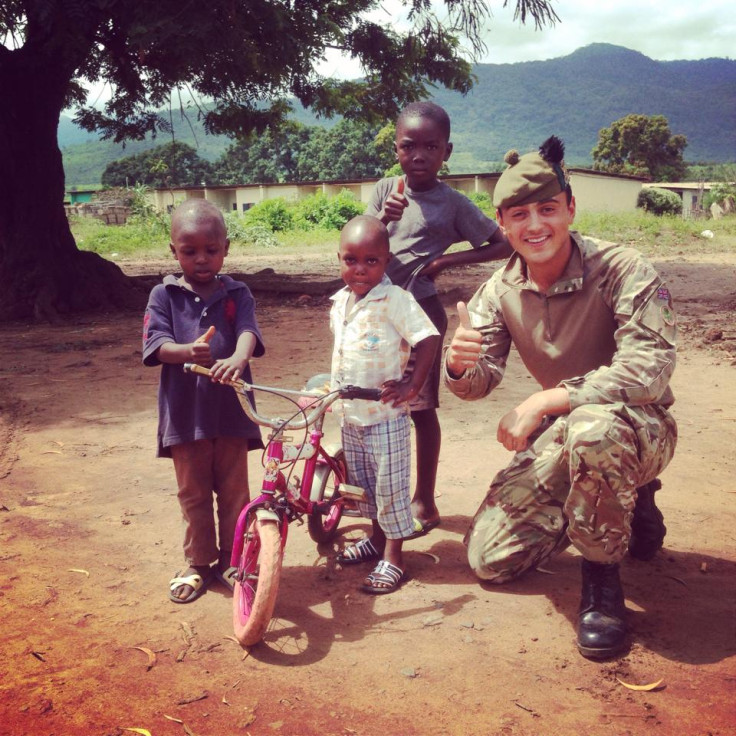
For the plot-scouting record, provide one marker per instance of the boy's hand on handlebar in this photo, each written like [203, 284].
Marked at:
[227, 369]
[465, 349]
[398, 392]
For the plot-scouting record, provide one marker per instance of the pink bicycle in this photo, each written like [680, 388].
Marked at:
[320, 494]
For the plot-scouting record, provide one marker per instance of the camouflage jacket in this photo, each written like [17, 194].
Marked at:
[605, 330]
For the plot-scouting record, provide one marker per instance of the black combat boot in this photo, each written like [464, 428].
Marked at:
[647, 525]
[601, 621]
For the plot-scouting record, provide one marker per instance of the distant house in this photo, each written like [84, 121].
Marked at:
[690, 192]
[595, 191]
[79, 196]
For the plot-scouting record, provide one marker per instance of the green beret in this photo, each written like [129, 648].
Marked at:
[532, 177]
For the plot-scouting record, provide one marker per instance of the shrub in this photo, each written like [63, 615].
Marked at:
[659, 201]
[271, 213]
[483, 201]
[329, 213]
[342, 207]
[310, 211]
[239, 231]
[723, 194]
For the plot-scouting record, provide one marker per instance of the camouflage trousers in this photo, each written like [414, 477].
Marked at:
[576, 482]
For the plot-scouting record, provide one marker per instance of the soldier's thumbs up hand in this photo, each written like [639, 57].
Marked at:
[465, 348]
[464, 316]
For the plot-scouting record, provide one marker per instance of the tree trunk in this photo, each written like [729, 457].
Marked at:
[43, 273]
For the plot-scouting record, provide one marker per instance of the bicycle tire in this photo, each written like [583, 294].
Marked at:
[323, 528]
[259, 569]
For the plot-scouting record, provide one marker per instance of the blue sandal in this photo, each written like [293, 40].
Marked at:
[385, 578]
[362, 551]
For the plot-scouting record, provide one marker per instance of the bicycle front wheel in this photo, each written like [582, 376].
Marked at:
[323, 527]
[257, 583]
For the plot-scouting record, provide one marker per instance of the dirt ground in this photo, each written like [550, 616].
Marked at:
[90, 535]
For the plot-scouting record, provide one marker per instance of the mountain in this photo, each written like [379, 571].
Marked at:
[518, 106]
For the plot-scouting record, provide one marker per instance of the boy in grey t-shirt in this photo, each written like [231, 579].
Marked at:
[424, 217]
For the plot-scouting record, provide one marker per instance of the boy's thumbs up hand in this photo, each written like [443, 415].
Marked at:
[207, 335]
[199, 350]
[465, 349]
[394, 206]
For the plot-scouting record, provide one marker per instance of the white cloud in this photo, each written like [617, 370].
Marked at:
[675, 29]
[662, 30]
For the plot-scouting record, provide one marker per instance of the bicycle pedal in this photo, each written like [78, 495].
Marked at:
[353, 493]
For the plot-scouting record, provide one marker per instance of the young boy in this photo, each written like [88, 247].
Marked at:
[375, 323]
[424, 218]
[204, 318]
[593, 323]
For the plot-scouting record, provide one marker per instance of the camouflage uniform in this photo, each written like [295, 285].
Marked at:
[606, 332]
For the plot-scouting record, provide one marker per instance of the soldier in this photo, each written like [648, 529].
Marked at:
[593, 323]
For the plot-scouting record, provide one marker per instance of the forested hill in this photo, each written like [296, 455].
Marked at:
[518, 106]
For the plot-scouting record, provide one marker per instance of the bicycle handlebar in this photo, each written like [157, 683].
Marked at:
[322, 402]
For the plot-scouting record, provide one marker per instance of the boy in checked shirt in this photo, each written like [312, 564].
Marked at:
[375, 325]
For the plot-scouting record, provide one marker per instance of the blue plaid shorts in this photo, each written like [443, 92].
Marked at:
[379, 460]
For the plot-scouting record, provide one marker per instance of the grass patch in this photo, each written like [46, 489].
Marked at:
[660, 235]
[148, 237]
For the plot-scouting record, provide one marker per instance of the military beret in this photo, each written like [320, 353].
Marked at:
[532, 177]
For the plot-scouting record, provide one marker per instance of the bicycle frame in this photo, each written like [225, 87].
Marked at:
[262, 527]
[277, 500]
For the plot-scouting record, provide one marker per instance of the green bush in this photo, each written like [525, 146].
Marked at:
[310, 211]
[659, 201]
[720, 194]
[239, 231]
[274, 214]
[483, 201]
[328, 213]
[342, 207]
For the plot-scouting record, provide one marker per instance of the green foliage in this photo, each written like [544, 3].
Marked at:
[641, 145]
[274, 214]
[655, 236]
[688, 93]
[659, 201]
[239, 231]
[171, 165]
[328, 213]
[659, 235]
[140, 237]
[711, 172]
[348, 150]
[484, 203]
[722, 194]
[251, 57]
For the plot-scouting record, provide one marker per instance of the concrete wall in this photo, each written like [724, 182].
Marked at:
[594, 191]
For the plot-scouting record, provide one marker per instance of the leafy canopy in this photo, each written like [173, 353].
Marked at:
[249, 56]
[641, 145]
[173, 164]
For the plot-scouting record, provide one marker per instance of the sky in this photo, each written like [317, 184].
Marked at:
[664, 30]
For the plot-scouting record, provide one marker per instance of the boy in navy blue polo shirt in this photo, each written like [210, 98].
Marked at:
[209, 319]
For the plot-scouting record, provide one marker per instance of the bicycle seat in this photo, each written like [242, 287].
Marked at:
[320, 382]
